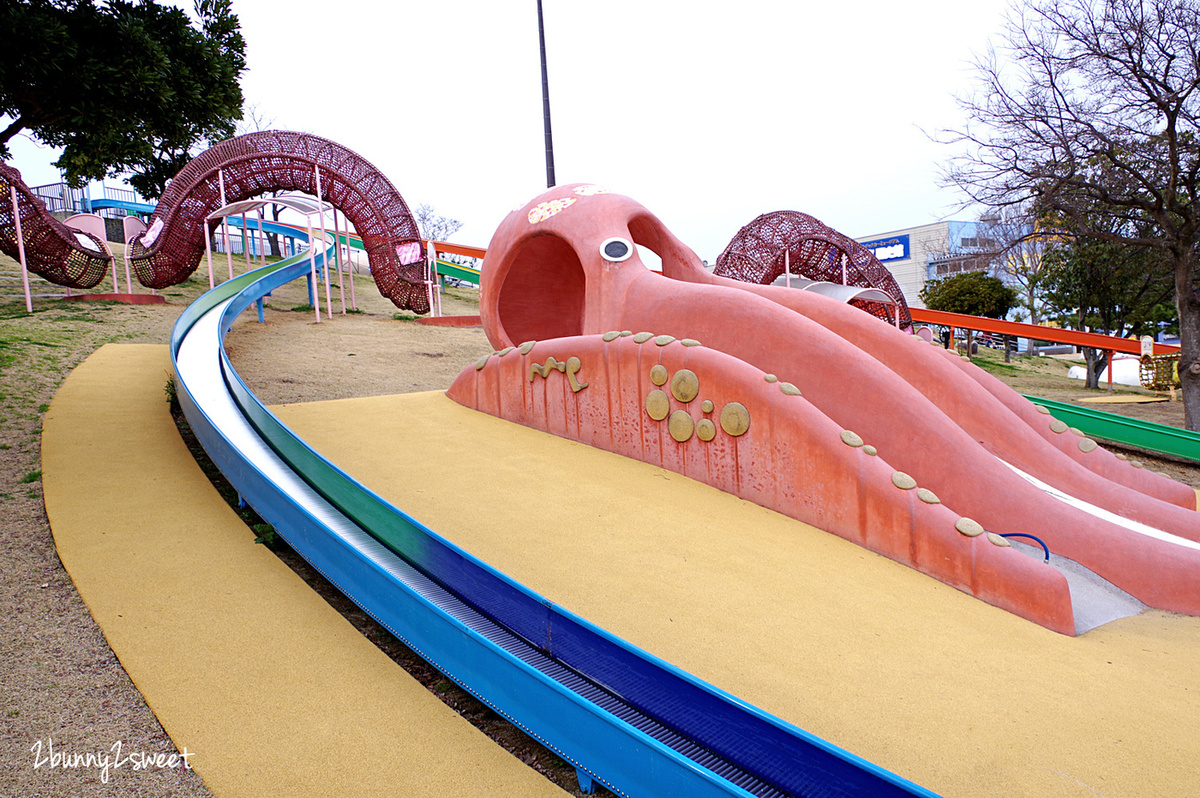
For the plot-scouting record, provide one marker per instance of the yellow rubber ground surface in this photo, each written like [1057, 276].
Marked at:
[273, 692]
[943, 689]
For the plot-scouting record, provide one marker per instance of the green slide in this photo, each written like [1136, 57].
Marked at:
[1123, 430]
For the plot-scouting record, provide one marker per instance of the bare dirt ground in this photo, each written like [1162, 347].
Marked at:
[1047, 377]
[61, 683]
[60, 680]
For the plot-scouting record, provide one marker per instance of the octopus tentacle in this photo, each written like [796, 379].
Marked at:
[274, 160]
[52, 251]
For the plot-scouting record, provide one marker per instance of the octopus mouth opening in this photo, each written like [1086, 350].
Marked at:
[542, 296]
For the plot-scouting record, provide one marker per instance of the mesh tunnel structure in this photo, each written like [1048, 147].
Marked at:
[756, 254]
[52, 250]
[270, 161]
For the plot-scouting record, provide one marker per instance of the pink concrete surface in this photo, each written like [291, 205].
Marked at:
[791, 458]
[927, 413]
[128, 299]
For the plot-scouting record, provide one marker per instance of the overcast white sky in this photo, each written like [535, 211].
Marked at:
[708, 114]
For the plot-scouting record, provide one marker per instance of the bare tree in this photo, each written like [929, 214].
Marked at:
[1094, 103]
[255, 121]
[433, 225]
[1017, 243]
[953, 255]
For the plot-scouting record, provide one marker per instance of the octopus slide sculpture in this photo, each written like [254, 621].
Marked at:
[812, 408]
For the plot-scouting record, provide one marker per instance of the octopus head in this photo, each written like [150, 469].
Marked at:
[555, 266]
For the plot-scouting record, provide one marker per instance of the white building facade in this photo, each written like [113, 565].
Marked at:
[916, 254]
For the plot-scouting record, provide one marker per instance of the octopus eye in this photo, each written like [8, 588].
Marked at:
[616, 250]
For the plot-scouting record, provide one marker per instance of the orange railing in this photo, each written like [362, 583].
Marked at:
[1034, 332]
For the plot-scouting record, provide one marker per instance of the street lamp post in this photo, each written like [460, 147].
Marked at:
[546, 101]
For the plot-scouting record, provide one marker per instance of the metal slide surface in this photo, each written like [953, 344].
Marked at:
[625, 719]
[1122, 429]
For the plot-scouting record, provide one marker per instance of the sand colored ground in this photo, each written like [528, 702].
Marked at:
[1054, 722]
[271, 691]
[960, 697]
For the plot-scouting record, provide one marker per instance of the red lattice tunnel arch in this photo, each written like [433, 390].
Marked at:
[51, 250]
[814, 250]
[274, 160]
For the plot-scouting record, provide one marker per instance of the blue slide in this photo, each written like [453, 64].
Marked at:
[622, 717]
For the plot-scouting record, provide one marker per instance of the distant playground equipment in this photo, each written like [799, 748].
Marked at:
[1125, 431]
[248, 166]
[44, 245]
[776, 246]
[1159, 371]
[315, 235]
[239, 169]
[904, 448]
[1009, 330]
[1155, 366]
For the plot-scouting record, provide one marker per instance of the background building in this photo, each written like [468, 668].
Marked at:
[916, 254]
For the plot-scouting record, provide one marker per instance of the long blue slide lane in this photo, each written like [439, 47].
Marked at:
[624, 718]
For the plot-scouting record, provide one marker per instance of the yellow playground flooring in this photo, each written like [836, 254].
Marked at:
[273, 691]
[908, 673]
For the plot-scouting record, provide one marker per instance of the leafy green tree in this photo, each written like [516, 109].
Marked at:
[1106, 286]
[973, 293]
[1096, 104]
[121, 86]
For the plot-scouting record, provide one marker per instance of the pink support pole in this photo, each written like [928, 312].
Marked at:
[228, 245]
[430, 276]
[246, 244]
[324, 241]
[312, 271]
[116, 284]
[225, 224]
[262, 240]
[787, 268]
[350, 268]
[12, 190]
[208, 253]
[437, 283]
[337, 237]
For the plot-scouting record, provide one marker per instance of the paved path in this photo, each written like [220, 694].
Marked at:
[271, 690]
[954, 694]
